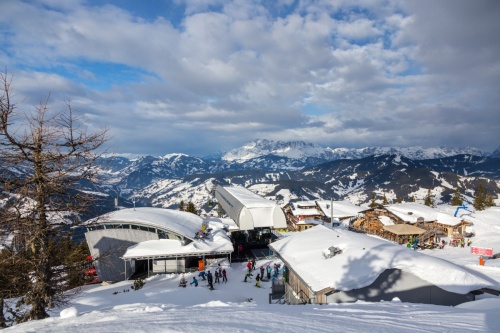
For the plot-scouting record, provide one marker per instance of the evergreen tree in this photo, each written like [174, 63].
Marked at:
[182, 206]
[191, 208]
[373, 204]
[399, 200]
[385, 202]
[412, 198]
[488, 200]
[428, 198]
[479, 198]
[457, 198]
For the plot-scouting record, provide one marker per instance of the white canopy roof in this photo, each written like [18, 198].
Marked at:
[182, 223]
[249, 210]
[363, 259]
[216, 243]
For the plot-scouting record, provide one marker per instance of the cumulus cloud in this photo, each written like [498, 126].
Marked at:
[203, 75]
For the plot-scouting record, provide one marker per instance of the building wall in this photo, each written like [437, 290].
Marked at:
[396, 283]
[109, 245]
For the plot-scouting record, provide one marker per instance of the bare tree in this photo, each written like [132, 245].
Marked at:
[56, 152]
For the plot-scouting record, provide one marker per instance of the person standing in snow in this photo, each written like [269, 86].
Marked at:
[195, 282]
[217, 276]
[210, 280]
[224, 275]
[202, 275]
[257, 280]
[468, 242]
[262, 272]
[253, 264]
[268, 272]
[249, 266]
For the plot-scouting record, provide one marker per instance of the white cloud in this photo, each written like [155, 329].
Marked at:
[366, 69]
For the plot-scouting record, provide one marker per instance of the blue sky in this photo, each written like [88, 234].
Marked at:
[205, 75]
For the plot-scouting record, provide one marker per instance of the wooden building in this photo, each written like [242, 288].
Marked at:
[325, 265]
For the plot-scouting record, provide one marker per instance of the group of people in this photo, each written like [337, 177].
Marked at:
[453, 243]
[460, 242]
[413, 243]
[266, 273]
[220, 273]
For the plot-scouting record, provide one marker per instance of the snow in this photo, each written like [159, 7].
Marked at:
[162, 306]
[363, 259]
[410, 212]
[183, 223]
[248, 198]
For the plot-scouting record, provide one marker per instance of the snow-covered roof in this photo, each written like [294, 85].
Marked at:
[248, 198]
[340, 208]
[410, 212]
[386, 220]
[217, 242]
[363, 259]
[182, 223]
[302, 208]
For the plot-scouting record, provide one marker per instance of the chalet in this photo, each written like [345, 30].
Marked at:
[432, 221]
[303, 215]
[325, 265]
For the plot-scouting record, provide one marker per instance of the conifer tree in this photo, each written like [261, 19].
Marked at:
[373, 204]
[191, 208]
[457, 198]
[399, 200]
[488, 200]
[479, 198]
[385, 202]
[428, 198]
[181, 206]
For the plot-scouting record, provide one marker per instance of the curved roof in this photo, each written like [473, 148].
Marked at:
[249, 210]
[182, 223]
[363, 259]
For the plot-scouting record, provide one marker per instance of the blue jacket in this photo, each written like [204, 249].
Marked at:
[195, 282]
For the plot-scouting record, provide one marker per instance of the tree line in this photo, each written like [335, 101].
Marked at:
[481, 201]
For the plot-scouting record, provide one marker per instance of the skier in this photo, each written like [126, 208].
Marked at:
[253, 264]
[247, 276]
[202, 275]
[183, 282]
[262, 272]
[469, 242]
[195, 282]
[210, 280]
[217, 276]
[249, 266]
[224, 276]
[268, 272]
[257, 280]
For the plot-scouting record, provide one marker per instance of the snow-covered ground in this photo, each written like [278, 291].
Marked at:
[162, 306]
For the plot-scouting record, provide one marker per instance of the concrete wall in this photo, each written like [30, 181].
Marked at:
[396, 283]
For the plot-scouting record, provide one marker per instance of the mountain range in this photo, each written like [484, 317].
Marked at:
[286, 171]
